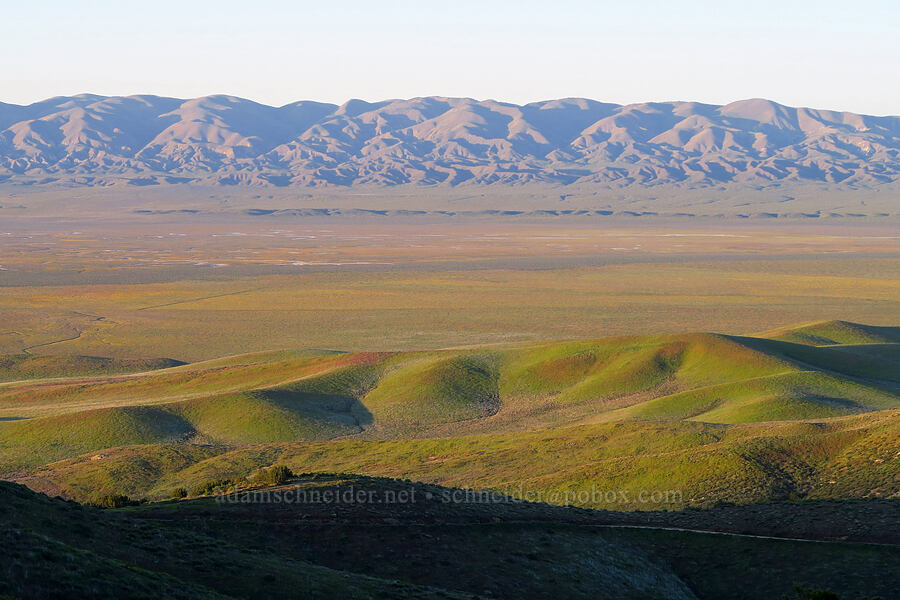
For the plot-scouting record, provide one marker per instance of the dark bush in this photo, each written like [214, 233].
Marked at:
[113, 501]
[274, 475]
[805, 593]
[179, 493]
[212, 487]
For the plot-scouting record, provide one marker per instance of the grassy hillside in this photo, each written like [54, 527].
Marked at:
[33, 441]
[713, 417]
[646, 466]
[827, 333]
[782, 397]
[14, 367]
[231, 374]
[433, 390]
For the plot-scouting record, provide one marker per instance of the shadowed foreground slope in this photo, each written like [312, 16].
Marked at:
[406, 540]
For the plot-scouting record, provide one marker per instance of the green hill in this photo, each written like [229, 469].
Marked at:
[786, 396]
[689, 463]
[827, 333]
[35, 441]
[704, 413]
[14, 367]
[433, 390]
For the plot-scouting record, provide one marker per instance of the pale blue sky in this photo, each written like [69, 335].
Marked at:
[826, 54]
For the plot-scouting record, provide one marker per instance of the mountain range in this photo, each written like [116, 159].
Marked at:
[224, 140]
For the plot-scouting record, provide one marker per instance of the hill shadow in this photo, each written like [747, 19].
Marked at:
[320, 405]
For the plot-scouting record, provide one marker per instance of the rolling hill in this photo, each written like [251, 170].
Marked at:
[832, 333]
[719, 417]
[15, 367]
[223, 140]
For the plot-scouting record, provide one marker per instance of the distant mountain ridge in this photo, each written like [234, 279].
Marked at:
[146, 140]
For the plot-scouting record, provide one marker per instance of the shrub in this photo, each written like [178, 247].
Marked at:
[811, 594]
[280, 474]
[274, 475]
[805, 593]
[113, 501]
[211, 487]
[179, 493]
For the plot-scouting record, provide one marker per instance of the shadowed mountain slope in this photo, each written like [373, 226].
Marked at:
[57, 549]
[201, 547]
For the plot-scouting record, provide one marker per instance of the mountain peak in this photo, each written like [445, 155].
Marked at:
[441, 140]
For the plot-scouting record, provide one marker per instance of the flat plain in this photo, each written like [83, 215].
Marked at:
[152, 287]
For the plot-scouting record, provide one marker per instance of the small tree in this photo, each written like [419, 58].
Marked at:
[280, 474]
[113, 501]
[274, 475]
[214, 486]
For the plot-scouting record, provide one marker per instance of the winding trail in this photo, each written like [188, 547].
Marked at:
[94, 319]
[26, 349]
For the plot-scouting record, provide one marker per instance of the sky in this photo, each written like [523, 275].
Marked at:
[826, 54]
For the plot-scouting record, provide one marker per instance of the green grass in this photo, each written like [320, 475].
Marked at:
[36, 441]
[123, 470]
[826, 333]
[15, 367]
[228, 375]
[695, 463]
[268, 416]
[713, 417]
[594, 370]
[434, 390]
[782, 397]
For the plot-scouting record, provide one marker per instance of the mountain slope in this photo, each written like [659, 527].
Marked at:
[148, 140]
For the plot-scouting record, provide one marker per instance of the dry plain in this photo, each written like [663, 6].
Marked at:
[171, 288]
